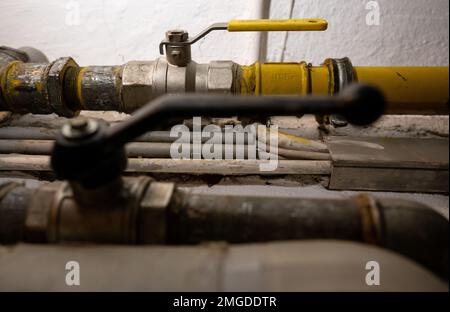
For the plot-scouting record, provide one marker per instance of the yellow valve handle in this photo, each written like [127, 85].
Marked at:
[300, 24]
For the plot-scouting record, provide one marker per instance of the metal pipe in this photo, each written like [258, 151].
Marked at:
[271, 267]
[34, 55]
[156, 150]
[23, 54]
[18, 132]
[293, 154]
[403, 226]
[286, 141]
[408, 90]
[38, 163]
[10, 56]
[27, 147]
[27, 133]
[13, 199]
[65, 88]
[149, 213]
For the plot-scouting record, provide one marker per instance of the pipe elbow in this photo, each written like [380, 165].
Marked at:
[417, 231]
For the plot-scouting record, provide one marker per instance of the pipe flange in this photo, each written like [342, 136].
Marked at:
[370, 219]
[342, 73]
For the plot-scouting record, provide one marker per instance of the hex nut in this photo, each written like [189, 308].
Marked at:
[137, 84]
[177, 35]
[221, 76]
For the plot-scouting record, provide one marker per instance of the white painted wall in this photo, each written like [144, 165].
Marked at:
[411, 32]
[116, 31]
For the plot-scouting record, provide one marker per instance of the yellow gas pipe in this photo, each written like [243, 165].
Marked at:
[410, 90]
[407, 89]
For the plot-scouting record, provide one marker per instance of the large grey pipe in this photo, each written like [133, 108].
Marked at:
[282, 266]
[407, 227]
[24, 54]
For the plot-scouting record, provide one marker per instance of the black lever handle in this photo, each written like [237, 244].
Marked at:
[93, 155]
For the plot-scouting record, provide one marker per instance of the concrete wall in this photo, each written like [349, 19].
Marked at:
[410, 32]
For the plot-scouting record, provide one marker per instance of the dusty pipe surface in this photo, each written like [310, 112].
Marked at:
[65, 88]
